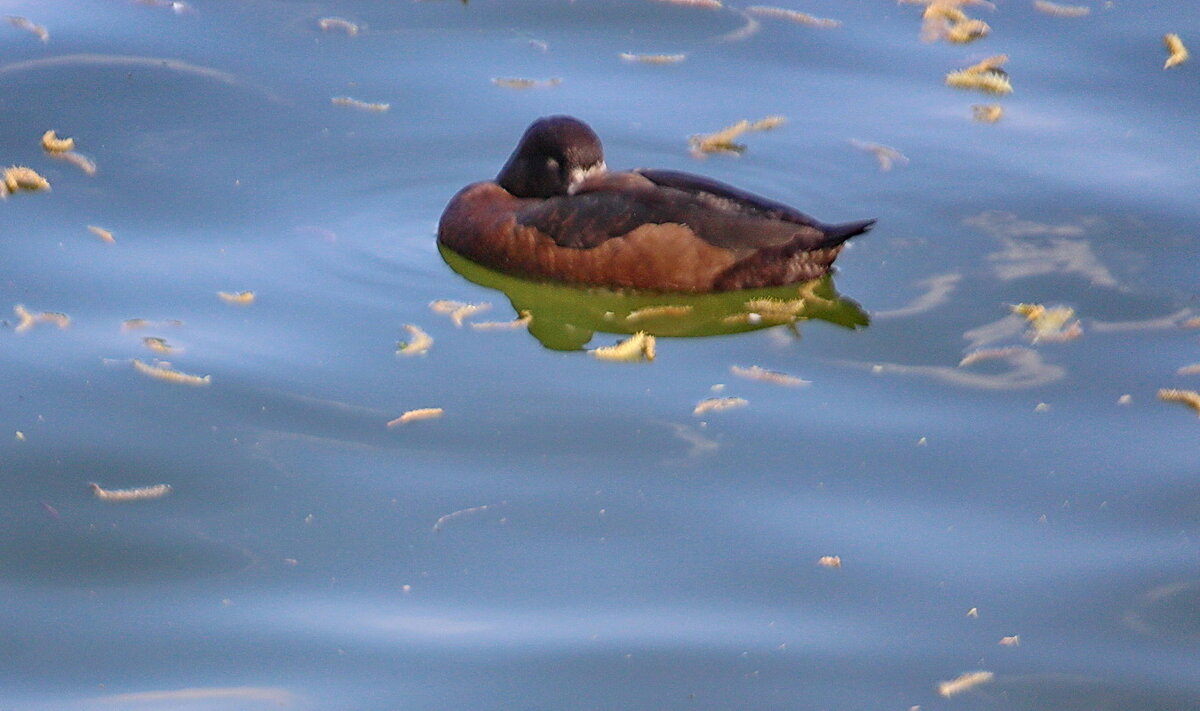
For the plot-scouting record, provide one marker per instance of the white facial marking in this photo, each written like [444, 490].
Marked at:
[579, 175]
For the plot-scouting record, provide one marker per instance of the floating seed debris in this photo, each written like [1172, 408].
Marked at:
[457, 310]
[338, 24]
[418, 344]
[441, 522]
[991, 354]
[102, 233]
[19, 177]
[27, 320]
[761, 374]
[776, 309]
[1057, 10]
[1053, 325]
[134, 324]
[987, 113]
[717, 404]
[80, 161]
[639, 346]
[722, 141]
[653, 58]
[163, 371]
[141, 493]
[1191, 398]
[51, 143]
[350, 103]
[887, 156]
[159, 345]
[523, 322]
[424, 413]
[964, 683]
[967, 31]
[653, 312]
[779, 13]
[986, 76]
[519, 83]
[237, 298]
[711, 4]
[1178, 53]
[23, 24]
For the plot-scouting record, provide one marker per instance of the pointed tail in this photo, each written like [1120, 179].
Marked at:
[836, 234]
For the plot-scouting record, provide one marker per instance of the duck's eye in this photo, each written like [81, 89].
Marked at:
[552, 165]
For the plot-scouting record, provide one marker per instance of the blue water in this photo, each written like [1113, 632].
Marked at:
[631, 555]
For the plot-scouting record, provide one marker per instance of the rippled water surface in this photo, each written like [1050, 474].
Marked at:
[569, 535]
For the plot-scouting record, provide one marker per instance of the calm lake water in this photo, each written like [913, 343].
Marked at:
[602, 547]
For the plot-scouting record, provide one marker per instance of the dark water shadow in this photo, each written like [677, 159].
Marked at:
[565, 317]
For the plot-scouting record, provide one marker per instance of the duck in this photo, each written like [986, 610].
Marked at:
[556, 213]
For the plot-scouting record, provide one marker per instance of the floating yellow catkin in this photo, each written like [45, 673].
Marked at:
[716, 404]
[102, 233]
[442, 521]
[793, 16]
[80, 161]
[424, 413]
[990, 82]
[1191, 398]
[159, 345]
[761, 374]
[350, 103]
[133, 324]
[987, 113]
[776, 308]
[1057, 10]
[830, 561]
[237, 298]
[991, 354]
[445, 306]
[161, 371]
[331, 24]
[144, 492]
[722, 141]
[466, 311]
[418, 344]
[990, 64]
[964, 683]
[27, 320]
[710, 4]
[457, 310]
[19, 177]
[519, 83]
[886, 155]
[985, 76]
[1053, 324]
[23, 24]
[1013, 641]
[525, 319]
[1179, 53]
[653, 58]
[51, 143]
[653, 312]
[967, 31]
[639, 346]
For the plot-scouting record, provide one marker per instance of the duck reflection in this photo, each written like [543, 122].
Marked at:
[565, 317]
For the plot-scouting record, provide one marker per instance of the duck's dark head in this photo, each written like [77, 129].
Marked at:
[554, 156]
